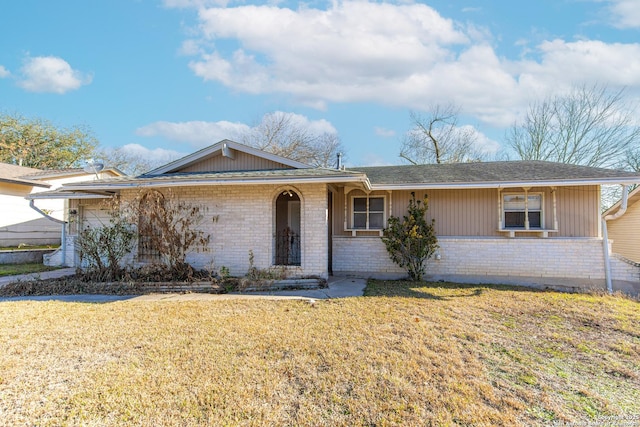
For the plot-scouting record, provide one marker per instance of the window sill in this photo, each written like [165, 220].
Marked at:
[511, 232]
[354, 231]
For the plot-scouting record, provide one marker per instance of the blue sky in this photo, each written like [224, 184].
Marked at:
[172, 76]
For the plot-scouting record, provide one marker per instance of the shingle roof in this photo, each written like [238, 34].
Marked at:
[8, 170]
[58, 173]
[489, 172]
[37, 173]
[471, 175]
[16, 174]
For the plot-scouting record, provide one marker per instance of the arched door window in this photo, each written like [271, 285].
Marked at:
[287, 229]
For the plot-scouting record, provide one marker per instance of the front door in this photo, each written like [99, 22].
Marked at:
[288, 229]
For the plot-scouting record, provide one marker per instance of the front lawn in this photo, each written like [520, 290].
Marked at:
[405, 354]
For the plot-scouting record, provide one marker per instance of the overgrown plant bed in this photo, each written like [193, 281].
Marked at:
[72, 285]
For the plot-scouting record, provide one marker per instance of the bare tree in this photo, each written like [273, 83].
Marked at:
[437, 138]
[589, 126]
[130, 162]
[283, 134]
[632, 159]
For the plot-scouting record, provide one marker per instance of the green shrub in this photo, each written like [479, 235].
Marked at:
[411, 241]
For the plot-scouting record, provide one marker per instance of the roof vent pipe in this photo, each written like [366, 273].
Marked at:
[339, 166]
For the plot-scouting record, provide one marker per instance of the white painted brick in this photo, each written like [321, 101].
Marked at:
[559, 257]
[246, 221]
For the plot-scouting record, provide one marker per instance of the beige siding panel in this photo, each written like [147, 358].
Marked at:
[625, 233]
[474, 212]
[578, 212]
[241, 162]
[463, 212]
[457, 213]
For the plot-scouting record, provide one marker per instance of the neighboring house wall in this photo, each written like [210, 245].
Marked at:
[240, 219]
[625, 233]
[19, 224]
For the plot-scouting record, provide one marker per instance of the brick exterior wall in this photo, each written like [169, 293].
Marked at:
[624, 269]
[580, 258]
[242, 218]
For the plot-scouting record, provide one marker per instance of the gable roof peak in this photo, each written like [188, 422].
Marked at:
[226, 148]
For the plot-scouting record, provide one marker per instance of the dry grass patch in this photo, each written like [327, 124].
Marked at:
[407, 354]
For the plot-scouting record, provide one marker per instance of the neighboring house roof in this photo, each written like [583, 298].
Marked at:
[33, 177]
[633, 197]
[491, 175]
[62, 173]
[226, 148]
[15, 174]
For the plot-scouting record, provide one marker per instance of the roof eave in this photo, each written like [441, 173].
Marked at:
[25, 182]
[68, 195]
[504, 184]
[633, 198]
[214, 182]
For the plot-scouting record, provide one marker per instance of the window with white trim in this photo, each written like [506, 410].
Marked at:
[368, 212]
[517, 208]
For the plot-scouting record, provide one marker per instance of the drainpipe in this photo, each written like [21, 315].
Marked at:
[605, 236]
[63, 239]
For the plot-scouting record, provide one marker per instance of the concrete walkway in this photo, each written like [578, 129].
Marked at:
[338, 287]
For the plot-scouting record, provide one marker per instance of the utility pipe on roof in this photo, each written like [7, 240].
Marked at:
[605, 236]
[63, 238]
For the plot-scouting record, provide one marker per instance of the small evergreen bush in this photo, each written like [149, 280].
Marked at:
[411, 241]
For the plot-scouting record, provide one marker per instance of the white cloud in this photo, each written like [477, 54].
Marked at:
[351, 44]
[318, 127]
[565, 64]
[4, 72]
[483, 143]
[625, 13]
[200, 133]
[403, 55]
[385, 133]
[196, 133]
[51, 74]
[157, 155]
